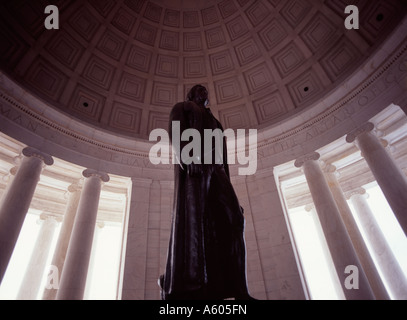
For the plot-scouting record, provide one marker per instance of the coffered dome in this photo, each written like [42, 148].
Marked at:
[120, 65]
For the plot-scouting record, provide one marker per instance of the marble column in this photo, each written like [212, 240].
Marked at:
[74, 272]
[74, 192]
[89, 279]
[35, 269]
[16, 201]
[390, 178]
[340, 245]
[310, 208]
[355, 235]
[392, 272]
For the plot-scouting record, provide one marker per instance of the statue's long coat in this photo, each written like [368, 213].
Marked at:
[206, 255]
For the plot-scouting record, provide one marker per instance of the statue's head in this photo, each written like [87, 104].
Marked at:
[199, 95]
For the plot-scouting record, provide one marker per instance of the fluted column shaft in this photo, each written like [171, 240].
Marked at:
[74, 273]
[91, 268]
[355, 235]
[35, 269]
[325, 250]
[74, 192]
[389, 265]
[16, 202]
[390, 178]
[339, 243]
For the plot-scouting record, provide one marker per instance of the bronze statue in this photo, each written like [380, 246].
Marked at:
[206, 255]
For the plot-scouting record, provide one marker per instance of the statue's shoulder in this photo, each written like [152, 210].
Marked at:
[185, 106]
[177, 110]
[190, 106]
[179, 105]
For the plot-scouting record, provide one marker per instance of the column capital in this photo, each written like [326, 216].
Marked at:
[328, 167]
[100, 224]
[358, 191]
[366, 127]
[309, 207]
[11, 172]
[73, 187]
[310, 156]
[32, 152]
[87, 173]
[45, 216]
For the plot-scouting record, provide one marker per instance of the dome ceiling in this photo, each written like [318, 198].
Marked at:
[121, 65]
